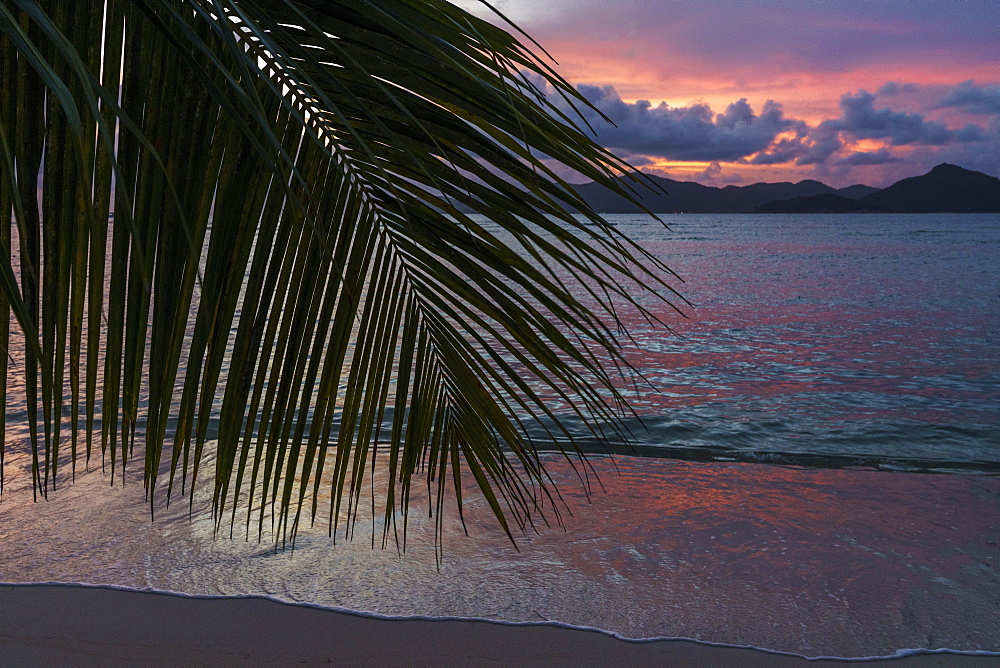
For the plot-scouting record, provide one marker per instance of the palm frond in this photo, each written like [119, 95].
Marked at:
[292, 270]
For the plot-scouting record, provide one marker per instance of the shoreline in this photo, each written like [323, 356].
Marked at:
[808, 562]
[46, 623]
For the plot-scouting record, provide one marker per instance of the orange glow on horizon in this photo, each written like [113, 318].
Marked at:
[681, 81]
[678, 166]
[866, 145]
[732, 173]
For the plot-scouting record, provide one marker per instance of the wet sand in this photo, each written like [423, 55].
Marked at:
[813, 562]
[44, 625]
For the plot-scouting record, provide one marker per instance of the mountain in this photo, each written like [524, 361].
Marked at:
[690, 197]
[857, 191]
[823, 203]
[944, 189]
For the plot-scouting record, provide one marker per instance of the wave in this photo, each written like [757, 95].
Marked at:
[804, 459]
[703, 436]
[904, 445]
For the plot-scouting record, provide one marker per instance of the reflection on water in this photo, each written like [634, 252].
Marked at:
[832, 335]
[856, 334]
[813, 561]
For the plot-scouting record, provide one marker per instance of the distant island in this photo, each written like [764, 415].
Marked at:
[823, 203]
[944, 189]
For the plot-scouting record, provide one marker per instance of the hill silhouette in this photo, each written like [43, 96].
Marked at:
[946, 188]
[691, 197]
[856, 192]
[823, 203]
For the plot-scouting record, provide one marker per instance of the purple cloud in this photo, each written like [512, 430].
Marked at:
[974, 99]
[880, 157]
[713, 174]
[686, 133]
[644, 133]
[861, 120]
[738, 134]
[864, 121]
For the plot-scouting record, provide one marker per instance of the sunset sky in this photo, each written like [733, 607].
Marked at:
[730, 92]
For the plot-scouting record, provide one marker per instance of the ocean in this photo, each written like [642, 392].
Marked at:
[828, 339]
[813, 470]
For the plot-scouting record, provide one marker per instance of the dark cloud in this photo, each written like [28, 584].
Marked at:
[973, 99]
[713, 170]
[880, 157]
[982, 156]
[738, 134]
[861, 120]
[686, 133]
[784, 150]
[713, 174]
[637, 160]
[864, 121]
[645, 134]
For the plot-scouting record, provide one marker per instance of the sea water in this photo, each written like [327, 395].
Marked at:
[867, 336]
[836, 380]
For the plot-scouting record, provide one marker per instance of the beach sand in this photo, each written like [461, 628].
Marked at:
[45, 625]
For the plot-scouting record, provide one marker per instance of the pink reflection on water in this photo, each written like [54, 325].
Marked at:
[820, 562]
[844, 562]
[774, 318]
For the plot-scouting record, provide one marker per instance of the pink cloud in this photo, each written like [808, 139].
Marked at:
[790, 76]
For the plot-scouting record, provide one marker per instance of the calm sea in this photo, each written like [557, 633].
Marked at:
[827, 339]
[814, 472]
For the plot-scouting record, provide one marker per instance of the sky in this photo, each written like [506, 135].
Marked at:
[737, 92]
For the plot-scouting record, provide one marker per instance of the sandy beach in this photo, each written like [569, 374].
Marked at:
[44, 625]
[808, 562]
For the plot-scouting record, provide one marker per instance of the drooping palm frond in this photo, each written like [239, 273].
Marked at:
[290, 269]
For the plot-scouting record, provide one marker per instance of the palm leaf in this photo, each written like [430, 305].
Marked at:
[292, 271]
